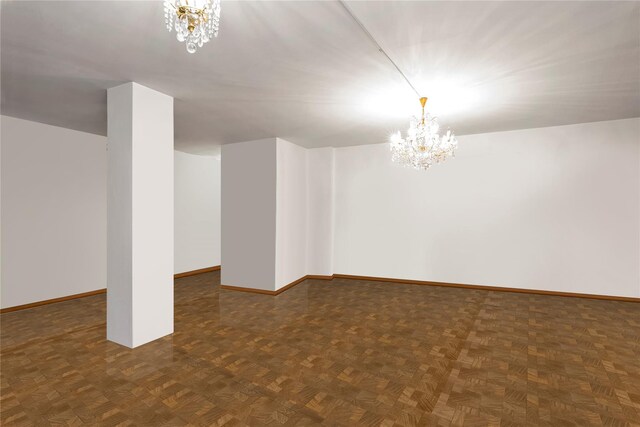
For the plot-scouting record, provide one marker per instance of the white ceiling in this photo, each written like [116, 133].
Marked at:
[305, 72]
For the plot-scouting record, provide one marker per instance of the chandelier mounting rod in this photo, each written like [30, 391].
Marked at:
[380, 49]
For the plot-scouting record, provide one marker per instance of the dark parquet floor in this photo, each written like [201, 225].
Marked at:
[326, 353]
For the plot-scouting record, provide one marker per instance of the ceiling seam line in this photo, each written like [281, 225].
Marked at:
[380, 49]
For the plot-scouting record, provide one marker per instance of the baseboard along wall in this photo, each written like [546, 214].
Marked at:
[53, 300]
[428, 283]
[338, 276]
[97, 292]
[194, 272]
[277, 292]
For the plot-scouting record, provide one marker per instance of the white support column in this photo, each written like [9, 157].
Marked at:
[139, 215]
[291, 213]
[249, 214]
[277, 213]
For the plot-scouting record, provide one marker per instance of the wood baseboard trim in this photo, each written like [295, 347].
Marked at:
[194, 272]
[339, 276]
[318, 277]
[262, 291]
[250, 290]
[97, 292]
[51, 301]
[487, 288]
[290, 285]
[279, 291]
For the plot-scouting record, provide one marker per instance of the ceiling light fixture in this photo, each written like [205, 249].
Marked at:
[423, 145]
[195, 21]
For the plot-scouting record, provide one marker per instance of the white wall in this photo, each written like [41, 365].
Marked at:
[54, 212]
[553, 208]
[196, 212]
[320, 211]
[291, 213]
[249, 214]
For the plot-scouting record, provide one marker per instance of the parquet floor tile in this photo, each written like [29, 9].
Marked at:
[339, 353]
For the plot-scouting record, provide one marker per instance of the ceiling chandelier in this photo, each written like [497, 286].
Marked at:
[423, 145]
[195, 21]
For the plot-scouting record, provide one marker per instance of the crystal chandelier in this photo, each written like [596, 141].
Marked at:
[423, 145]
[195, 21]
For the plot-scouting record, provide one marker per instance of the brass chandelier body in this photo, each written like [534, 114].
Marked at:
[195, 21]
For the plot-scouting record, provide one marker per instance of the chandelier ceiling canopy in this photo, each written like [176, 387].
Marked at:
[195, 21]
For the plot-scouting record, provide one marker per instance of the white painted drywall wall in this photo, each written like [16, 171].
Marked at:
[320, 211]
[553, 208]
[546, 185]
[54, 212]
[196, 211]
[291, 213]
[249, 214]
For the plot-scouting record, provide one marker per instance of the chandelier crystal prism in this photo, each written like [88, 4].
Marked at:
[423, 146]
[195, 21]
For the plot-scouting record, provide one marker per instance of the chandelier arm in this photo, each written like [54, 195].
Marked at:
[380, 49]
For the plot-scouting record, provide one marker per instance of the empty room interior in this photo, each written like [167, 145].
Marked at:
[320, 213]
